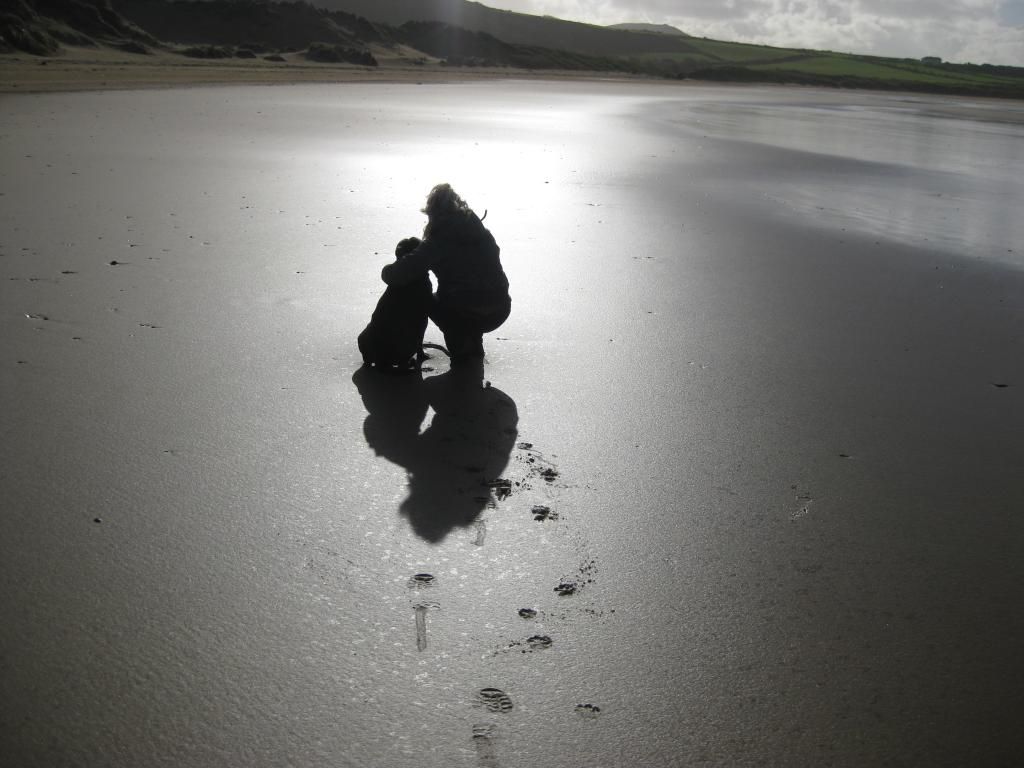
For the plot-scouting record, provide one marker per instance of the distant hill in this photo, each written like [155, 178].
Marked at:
[40, 27]
[456, 46]
[513, 28]
[422, 32]
[663, 51]
[658, 29]
[249, 23]
[223, 28]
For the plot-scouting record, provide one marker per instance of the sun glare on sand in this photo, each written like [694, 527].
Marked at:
[492, 171]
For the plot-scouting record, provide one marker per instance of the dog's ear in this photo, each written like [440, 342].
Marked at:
[406, 246]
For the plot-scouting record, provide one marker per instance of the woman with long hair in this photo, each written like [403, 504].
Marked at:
[472, 290]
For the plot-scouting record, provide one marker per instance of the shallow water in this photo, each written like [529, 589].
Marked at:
[762, 373]
[937, 173]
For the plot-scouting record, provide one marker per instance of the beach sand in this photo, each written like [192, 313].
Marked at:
[758, 407]
[101, 68]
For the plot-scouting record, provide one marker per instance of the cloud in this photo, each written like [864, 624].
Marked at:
[957, 30]
[1011, 12]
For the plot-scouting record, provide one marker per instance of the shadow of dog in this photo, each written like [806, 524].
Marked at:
[451, 463]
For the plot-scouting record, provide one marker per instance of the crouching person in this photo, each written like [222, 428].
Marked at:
[472, 290]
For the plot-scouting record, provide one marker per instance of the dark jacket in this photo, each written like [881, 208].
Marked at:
[464, 257]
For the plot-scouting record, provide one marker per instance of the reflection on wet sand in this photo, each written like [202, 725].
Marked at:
[452, 462]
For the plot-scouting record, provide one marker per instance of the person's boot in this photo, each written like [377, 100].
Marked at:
[465, 349]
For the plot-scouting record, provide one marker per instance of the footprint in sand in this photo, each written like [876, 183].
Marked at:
[531, 644]
[501, 488]
[493, 700]
[421, 580]
[484, 735]
[804, 500]
[541, 513]
[481, 533]
[418, 582]
[421, 624]
[584, 575]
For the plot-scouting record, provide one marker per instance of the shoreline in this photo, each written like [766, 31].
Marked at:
[78, 69]
[86, 69]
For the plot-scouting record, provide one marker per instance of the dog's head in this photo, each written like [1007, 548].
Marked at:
[406, 246]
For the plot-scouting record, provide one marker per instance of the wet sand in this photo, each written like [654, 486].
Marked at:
[757, 413]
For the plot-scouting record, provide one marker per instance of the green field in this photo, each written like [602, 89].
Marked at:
[725, 61]
[847, 66]
[741, 53]
[717, 60]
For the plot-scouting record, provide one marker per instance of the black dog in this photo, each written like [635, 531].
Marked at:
[394, 337]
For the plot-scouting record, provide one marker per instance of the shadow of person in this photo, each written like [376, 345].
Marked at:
[451, 463]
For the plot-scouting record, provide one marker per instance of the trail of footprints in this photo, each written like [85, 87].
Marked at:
[537, 473]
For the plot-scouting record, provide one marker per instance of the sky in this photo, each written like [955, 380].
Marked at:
[978, 31]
